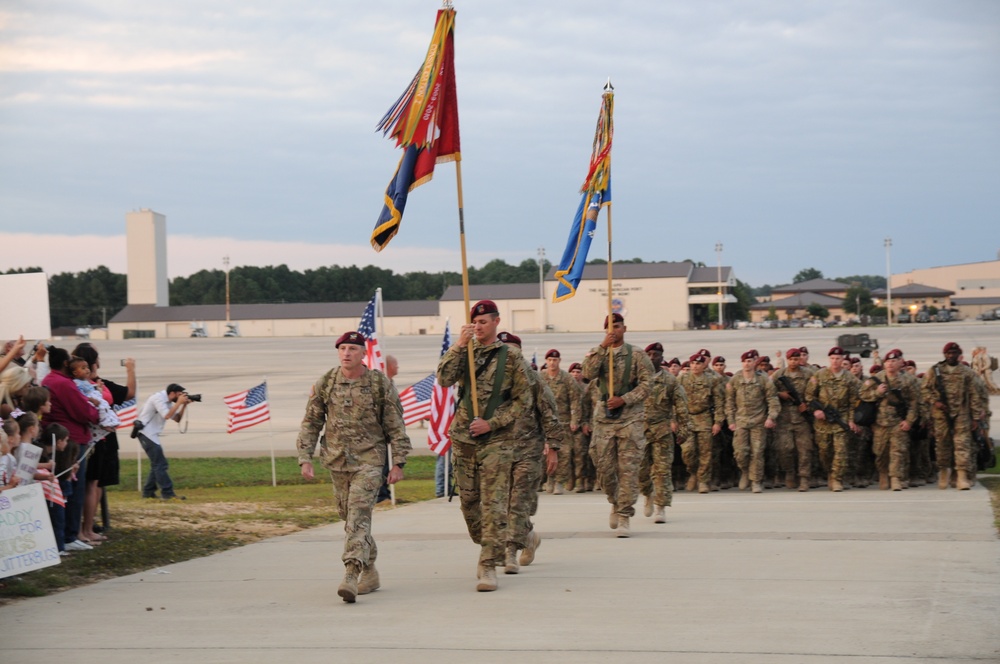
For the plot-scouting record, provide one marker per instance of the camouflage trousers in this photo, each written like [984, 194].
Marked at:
[749, 444]
[953, 444]
[355, 493]
[921, 467]
[892, 451]
[617, 450]
[527, 464]
[655, 469]
[793, 442]
[583, 467]
[482, 476]
[699, 455]
[832, 446]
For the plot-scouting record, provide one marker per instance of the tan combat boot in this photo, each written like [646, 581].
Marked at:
[613, 519]
[661, 515]
[962, 482]
[581, 486]
[348, 589]
[883, 481]
[487, 577]
[790, 480]
[510, 565]
[803, 484]
[744, 481]
[369, 580]
[528, 555]
[691, 483]
[558, 489]
[944, 475]
[550, 486]
[647, 508]
[756, 487]
[835, 484]
[623, 529]
[703, 488]
[895, 484]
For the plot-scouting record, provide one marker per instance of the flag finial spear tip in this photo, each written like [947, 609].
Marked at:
[446, 4]
[608, 87]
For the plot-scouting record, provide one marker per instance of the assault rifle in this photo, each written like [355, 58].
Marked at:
[832, 414]
[899, 402]
[789, 386]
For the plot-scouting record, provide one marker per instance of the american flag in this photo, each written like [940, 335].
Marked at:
[247, 408]
[442, 408]
[126, 412]
[366, 328]
[53, 492]
[416, 400]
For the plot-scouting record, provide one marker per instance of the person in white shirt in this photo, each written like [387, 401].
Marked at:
[168, 404]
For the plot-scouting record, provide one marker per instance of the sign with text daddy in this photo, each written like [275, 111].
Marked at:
[27, 542]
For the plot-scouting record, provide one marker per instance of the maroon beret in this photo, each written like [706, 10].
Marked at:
[697, 357]
[687, 364]
[484, 307]
[705, 354]
[836, 350]
[656, 345]
[853, 360]
[355, 338]
[803, 350]
[766, 359]
[793, 352]
[894, 354]
[616, 318]
[909, 363]
[875, 369]
[575, 366]
[673, 361]
[719, 360]
[509, 338]
[952, 347]
[552, 353]
[749, 355]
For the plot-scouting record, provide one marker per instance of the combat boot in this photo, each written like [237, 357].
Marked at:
[369, 580]
[895, 484]
[756, 487]
[661, 515]
[528, 555]
[581, 486]
[803, 484]
[487, 578]
[510, 565]
[703, 488]
[962, 482]
[744, 481]
[348, 589]
[550, 486]
[944, 475]
[623, 529]
[647, 508]
[790, 482]
[836, 485]
[691, 483]
[613, 519]
[558, 489]
[883, 481]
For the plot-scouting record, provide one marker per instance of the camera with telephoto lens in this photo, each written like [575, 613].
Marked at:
[137, 426]
[194, 397]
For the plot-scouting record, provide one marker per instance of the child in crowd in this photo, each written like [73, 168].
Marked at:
[9, 440]
[62, 462]
[38, 401]
[30, 432]
[80, 370]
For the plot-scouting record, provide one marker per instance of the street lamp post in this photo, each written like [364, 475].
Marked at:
[888, 283]
[541, 284]
[718, 260]
[225, 262]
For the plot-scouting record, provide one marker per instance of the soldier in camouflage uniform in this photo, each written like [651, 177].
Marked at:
[751, 407]
[793, 434]
[537, 436]
[836, 390]
[898, 398]
[360, 412]
[583, 466]
[666, 417]
[483, 432]
[707, 410]
[618, 442]
[565, 392]
[954, 411]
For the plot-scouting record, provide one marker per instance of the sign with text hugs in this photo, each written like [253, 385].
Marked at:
[27, 542]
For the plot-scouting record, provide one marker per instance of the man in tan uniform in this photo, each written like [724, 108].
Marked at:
[666, 417]
[565, 393]
[751, 407]
[898, 398]
[360, 412]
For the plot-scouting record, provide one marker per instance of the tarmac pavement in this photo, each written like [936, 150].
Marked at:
[779, 577]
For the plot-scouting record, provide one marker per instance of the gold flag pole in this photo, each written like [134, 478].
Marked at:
[609, 91]
[465, 289]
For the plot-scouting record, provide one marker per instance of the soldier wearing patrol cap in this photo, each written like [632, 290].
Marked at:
[832, 393]
[484, 436]
[359, 411]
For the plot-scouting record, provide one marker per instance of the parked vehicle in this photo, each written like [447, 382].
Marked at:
[943, 316]
[923, 317]
[902, 318]
[860, 344]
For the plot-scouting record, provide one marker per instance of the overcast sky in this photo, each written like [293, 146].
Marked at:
[798, 134]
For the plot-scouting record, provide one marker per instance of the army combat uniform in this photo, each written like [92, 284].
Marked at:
[618, 443]
[665, 405]
[749, 402]
[359, 416]
[706, 407]
[566, 395]
[953, 424]
[891, 445]
[483, 464]
[838, 391]
[793, 434]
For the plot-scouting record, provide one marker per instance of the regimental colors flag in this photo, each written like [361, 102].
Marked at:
[416, 401]
[424, 122]
[596, 193]
[366, 328]
[442, 408]
[247, 408]
[126, 412]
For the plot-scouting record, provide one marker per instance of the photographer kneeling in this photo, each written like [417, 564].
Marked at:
[168, 404]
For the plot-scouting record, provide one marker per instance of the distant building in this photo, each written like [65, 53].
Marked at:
[912, 298]
[792, 301]
[146, 242]
[974, 287]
